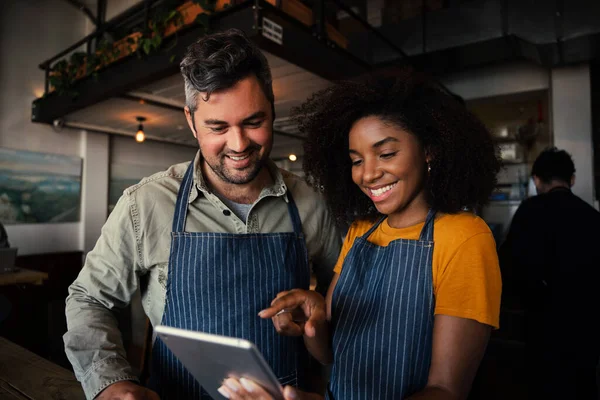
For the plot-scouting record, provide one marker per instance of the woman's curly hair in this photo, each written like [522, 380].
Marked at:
[464, 159]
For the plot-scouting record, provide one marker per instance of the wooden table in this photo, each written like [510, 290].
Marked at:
[22, 276]
[25, 375]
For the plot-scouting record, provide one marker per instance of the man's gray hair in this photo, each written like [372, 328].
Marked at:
[220, 60]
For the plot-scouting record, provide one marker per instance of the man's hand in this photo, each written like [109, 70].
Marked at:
[297, 312]
[127, 390]
[245, 389]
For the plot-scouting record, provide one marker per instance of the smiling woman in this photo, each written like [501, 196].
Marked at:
[401, 161]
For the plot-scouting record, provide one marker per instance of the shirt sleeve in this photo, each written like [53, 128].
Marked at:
[470, 285]
[106, 283]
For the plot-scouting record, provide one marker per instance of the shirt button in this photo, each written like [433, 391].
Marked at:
[226, 213]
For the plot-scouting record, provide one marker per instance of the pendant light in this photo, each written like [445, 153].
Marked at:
[140, 136]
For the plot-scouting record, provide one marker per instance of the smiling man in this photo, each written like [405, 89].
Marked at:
[209, 242]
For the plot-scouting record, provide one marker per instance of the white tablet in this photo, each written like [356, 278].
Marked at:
[213, 358]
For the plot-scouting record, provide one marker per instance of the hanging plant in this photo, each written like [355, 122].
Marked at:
[64, 73]
[164, 21]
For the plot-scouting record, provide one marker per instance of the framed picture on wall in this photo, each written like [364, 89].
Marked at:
[39, 187]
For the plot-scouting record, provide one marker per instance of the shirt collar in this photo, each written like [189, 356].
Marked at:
[278, 188]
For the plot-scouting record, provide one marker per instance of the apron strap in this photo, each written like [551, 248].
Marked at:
[294, 215]
[182, 199]
[427, 231]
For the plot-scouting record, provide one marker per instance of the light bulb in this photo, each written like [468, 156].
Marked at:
[139, 136]
[293, 157]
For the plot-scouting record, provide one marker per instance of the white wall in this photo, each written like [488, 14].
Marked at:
[27, 39]
[94, 193]
[572, 121]
[31, 32]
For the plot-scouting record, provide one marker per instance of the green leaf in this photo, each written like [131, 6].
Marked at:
[171, 15]
[146, 46]
[172, 58]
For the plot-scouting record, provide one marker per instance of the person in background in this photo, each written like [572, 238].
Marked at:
[551, 258]
[417, 287]
[209, 242]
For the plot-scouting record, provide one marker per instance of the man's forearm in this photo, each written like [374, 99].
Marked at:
[93, 343]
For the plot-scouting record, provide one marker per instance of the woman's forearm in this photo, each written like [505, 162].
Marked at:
[319, 345]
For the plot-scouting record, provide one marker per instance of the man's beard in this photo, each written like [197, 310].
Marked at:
[247, 174]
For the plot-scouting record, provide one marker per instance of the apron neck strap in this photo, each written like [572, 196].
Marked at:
[183, 199]
[181, 206]
[294, 215]
[427, 231]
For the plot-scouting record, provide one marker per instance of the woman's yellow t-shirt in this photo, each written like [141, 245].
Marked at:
[466, 273]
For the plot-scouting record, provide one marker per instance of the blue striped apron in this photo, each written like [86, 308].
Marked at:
[217, 283]
[382, 318]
